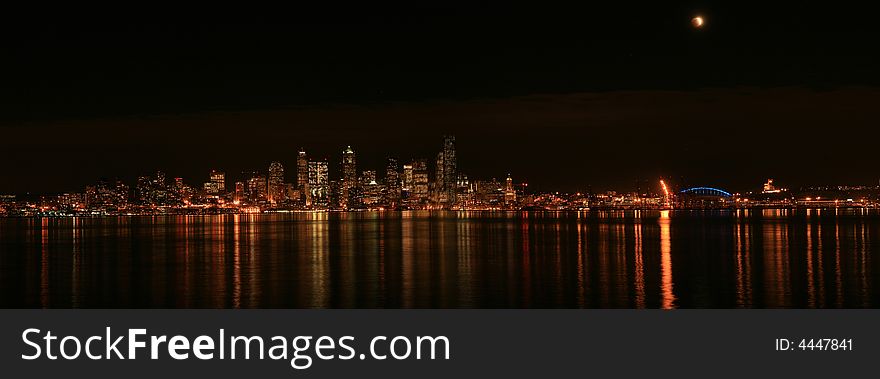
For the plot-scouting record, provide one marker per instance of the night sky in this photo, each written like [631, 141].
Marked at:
[560, 97]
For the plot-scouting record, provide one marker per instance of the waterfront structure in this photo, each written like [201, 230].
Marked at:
[257, 187]
[277, 190]
[302, 177]
[348, 186]
[446, 175]
[419, 181]
[406, 186]
[450, 168]
[370, 190]
[219, 180]
[438, 187]
[392, 189]
[318, 184]
[406, 181]
[509, 192]
[239, 195]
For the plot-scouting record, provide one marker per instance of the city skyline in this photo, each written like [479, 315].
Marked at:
[410, 184]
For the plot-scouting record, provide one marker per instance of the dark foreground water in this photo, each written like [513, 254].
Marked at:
[627, 259]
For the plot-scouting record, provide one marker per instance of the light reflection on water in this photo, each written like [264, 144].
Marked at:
[621, 259]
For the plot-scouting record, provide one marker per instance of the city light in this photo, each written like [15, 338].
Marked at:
[415, 184]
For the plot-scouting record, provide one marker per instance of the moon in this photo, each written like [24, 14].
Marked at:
[697, 21]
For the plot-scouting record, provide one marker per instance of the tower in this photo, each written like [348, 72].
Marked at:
[438, 192]
[302, 176]
[420, 180]
[446, 173]
[392, 183]
[449, 168]
[219, 180]
[349, 179]
[509, 192]
[318, 183]
[276, 183]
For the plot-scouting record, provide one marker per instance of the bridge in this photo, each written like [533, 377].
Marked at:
[706, 192]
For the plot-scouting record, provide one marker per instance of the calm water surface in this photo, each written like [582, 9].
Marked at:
[626, 259]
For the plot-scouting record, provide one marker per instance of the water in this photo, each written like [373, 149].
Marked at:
[625, 259]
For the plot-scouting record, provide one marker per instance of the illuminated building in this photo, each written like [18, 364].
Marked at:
[108, 196]
[406, 181]
[210, 188]
[335, 198]
[464, 195]
[149, 190]
[302, 177]
[219, 180]
[509, 192]
[438, 193]
[290, 192]
[392, 183]
[369, 188]
[71, 201]
[450, 169]
[770, 188]
[347, 196]
[90, 196]
[257, 187]
[446, 174]
[488, 193]
[178, 189]
[420, 181]
[239, 194]
[277, 190]
[319, 183]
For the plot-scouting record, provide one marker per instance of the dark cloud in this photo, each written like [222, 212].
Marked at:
[732, 138]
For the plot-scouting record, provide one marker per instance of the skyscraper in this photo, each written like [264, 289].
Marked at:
[318, 183]
[450, 169]
[444, 186]
[392, 183]
[509, 192]
[420, 180]
[349, 179]
[257, 188]
[219, 180]
[407, 180]
[151, 190]
[369, 188]
[276, 183]
[239, 194]
[438, 192]
[302, 177]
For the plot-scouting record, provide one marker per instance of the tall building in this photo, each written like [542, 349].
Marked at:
[444, 186]
[369, 188]
[509, 192]
[464, 195]
[406, 181]
[347, 197]
[420, 180]
[450, 169]
[319, 183]
[277, 190]
[151, 190]
[302, 177]
[239, 194]
[179, 192]
[392, 183]
[219, 180]
[438, 192]
[257, 187]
